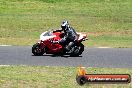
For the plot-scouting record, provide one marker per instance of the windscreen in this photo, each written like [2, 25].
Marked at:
[48, 33]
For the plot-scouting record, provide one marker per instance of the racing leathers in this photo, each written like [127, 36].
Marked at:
[69, 39]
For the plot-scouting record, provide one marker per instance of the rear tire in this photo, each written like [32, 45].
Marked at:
[36, 50]
[81, 48]
[78, 51]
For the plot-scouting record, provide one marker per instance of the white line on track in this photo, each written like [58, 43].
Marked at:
[4, 65]
[5, 45]
[103, 47]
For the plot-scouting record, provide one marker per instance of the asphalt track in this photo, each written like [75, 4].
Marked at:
[91, 57]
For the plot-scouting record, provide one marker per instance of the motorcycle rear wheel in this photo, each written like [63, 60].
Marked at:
[78, 51]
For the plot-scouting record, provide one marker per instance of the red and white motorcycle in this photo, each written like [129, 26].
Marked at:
[46, 45]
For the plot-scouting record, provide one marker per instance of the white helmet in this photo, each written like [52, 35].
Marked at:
[64, 25]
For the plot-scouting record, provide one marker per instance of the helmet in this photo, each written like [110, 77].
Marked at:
[64, 25]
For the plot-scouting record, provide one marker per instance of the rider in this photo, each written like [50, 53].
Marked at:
[70, 35]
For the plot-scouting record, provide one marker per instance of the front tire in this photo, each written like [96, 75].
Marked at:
[36, 50]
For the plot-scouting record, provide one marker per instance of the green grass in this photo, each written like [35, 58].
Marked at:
[26, 19]
[115, 41]
[49, 77]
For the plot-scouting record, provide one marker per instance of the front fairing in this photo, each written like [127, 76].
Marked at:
[47, 37]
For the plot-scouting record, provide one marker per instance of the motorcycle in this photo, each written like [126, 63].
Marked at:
[46, 45]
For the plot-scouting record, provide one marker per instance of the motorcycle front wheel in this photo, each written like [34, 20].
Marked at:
[36, 50]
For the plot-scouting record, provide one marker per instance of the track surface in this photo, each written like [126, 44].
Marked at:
[92, 57]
